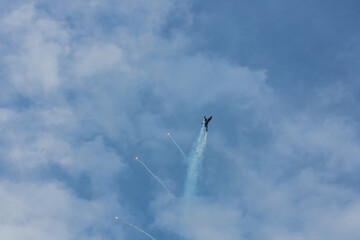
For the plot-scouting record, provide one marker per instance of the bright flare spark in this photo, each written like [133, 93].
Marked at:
[137, 228]
[182, 152]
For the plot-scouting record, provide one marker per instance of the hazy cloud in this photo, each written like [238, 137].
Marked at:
[86, 86]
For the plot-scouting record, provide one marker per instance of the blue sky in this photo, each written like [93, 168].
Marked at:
[87, 86]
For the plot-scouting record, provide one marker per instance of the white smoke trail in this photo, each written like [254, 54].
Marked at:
[137, 228]
[193, 173]
[158, 179]
[182, 152]
[195, 159]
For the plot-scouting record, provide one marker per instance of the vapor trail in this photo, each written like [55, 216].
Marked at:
[182, 152]
[158, 179]
[195, 159]
[137, 228]
[193, 174]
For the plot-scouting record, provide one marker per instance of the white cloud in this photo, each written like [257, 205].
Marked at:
[334, 140]
[214, 221]
[20, 17]
[95, 59]
[5, 115]
[200, 80]
[28, 152]
[203, 220]
[111, 85]
[48, 211]
[38, 44]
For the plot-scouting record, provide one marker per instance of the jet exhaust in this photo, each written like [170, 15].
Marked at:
[194, 160]
[157, 179]
[133, 226]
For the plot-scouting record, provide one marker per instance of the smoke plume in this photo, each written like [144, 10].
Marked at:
[194, 161]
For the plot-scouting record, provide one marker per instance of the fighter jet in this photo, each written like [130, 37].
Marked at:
[207, 120]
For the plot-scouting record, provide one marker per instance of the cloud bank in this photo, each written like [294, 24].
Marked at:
[85, 87]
